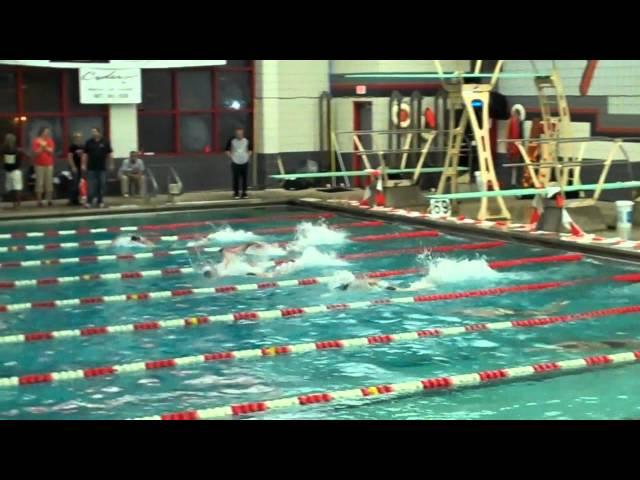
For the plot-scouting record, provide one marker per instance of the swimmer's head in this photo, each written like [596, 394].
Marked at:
[207, 271]
[135, 238]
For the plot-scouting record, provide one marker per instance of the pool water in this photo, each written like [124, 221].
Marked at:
[596, 394]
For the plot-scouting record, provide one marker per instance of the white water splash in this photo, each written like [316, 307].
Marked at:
[229, 235]
[311, 257]
[446, 270]
[309, 234]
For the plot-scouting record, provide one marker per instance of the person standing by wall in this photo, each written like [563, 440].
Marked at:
[97, 152]
[74, 158]
[239, 151]
[12, 159]
[132, 169]
[43, 148]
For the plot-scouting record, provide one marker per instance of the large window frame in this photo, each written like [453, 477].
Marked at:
[215, 112]
[65, 113]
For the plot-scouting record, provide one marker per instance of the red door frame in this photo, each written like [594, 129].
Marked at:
[356, 161]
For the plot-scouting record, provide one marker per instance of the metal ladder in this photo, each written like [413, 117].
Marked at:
[151, 185]
[556, 120]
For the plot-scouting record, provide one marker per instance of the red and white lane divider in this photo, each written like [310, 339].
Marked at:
[140, 296]
[430, 385]
[299, 348]
[136, 256]
[188, 270]
[169, 226]
[172, 238]
[235, 317]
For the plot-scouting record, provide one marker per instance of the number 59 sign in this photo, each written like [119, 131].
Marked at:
[440, 207]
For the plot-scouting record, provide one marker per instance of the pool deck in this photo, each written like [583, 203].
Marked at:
[601, 242]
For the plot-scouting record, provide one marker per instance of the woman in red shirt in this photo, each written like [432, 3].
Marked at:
[43, 148]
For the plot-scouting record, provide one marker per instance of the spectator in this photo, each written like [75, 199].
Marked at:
[12, 159]
[97, 151]
[43, 148]
[239, 151]
[132, 169]
[74, 158]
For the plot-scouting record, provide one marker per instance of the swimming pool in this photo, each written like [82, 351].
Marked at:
[161, 368]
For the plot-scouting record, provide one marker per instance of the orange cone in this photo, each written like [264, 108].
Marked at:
[570, 225]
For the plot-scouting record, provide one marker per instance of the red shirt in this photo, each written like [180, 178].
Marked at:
[43, 158]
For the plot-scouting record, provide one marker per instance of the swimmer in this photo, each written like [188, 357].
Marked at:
[229, 254]
[627, 344]
[496, 312]
[588, 346]
[208, 271]
[133, 240]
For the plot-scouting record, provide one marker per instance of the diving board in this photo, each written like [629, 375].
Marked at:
[357, 173]
[533, 191]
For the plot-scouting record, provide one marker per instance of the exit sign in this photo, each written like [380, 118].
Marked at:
[361, 90]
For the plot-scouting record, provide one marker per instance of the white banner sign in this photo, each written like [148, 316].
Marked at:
[115, 63]
[110, 85]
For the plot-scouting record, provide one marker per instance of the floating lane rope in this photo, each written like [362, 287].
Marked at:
[235, 317]
[430, 385]
[188, 270]
[170, 226]
[177, 238]
[300, 348]
[158, 254]
[15, 307]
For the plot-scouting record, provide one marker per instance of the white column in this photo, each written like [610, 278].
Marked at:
[123, 131]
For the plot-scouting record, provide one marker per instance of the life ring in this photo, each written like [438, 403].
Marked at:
[401, 115]
[428, 121]
[519, 110]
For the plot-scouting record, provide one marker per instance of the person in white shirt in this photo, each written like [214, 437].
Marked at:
[132, 170]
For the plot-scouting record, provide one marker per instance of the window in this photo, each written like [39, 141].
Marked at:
[31, 98]
[8, 94]
[155, 133]
[195, 133]
[194, 90]
[41, 91]
[156, 90]
[195, 110]
[234, 91]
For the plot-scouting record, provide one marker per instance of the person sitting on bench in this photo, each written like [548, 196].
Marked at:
[132, 169]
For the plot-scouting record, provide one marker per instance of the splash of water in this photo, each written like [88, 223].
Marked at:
[448, 270]
[309, 235]
[311, 257]
[229, 235]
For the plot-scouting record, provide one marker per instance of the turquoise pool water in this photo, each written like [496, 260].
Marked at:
[600, 394]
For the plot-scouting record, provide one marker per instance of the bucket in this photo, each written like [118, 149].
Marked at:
[625, 213]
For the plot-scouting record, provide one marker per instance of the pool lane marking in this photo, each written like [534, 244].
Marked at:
[431, 385]
[168, 226]
[235, 317]
[300, 348]
[145, 296]
[174, 238]
[136, 256]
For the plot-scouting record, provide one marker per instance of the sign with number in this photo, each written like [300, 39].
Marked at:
[440, 207]
[110, 85]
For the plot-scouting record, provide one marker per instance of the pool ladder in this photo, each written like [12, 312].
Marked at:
[175, 186]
